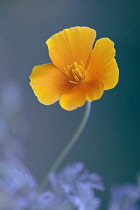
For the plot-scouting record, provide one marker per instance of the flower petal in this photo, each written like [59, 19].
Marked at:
[103, 65]
[77, 96]
[49, 83]
[71, 45]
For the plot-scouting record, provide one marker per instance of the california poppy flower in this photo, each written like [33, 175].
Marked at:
[77, 72]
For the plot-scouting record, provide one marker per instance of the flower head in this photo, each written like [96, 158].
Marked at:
[77, 73]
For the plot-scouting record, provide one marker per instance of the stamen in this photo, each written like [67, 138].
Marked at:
[75, 72]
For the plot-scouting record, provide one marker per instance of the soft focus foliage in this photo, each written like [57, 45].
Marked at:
[13, 124]
[72, 188]
[73, 184]
[125, 197]
[17, 186]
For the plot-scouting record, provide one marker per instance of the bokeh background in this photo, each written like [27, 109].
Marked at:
[110, 143]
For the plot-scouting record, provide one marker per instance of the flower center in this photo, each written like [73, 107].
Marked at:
[75, 72]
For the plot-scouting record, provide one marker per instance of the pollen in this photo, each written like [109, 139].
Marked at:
[75, 72]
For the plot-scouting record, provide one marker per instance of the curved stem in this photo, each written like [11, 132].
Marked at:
[70, 144]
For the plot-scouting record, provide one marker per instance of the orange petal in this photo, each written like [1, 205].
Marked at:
[103, 65]
[71, 45]
[49, 83]
[77, 96]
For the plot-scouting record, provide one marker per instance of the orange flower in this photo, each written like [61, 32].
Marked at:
[77, 73]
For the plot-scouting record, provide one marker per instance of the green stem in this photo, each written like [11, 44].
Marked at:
[70, 144]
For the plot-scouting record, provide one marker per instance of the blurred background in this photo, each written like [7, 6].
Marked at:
[110, 143]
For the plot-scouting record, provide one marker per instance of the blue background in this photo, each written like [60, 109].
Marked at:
[110, 143]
